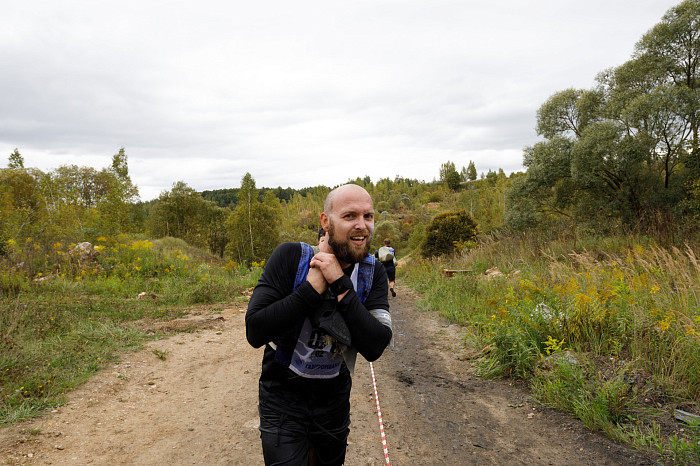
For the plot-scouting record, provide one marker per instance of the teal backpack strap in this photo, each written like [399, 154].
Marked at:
[285, 347]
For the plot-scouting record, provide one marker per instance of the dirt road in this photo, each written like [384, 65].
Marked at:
[198, 405]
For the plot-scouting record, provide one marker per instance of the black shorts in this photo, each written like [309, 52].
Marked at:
[390, 271]
[288, 439]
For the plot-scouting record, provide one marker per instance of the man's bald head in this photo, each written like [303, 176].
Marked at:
[342, 191]
[348, 217]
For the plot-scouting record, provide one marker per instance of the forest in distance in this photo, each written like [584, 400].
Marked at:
[620, 155]
[581, 273]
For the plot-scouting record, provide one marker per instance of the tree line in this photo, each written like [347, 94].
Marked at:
[67, 202]
[248, 228]
[623, 154]
[73, 204]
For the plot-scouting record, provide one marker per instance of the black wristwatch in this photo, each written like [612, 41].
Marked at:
[341, 285]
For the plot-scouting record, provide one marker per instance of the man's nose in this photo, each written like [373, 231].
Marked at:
[364, 224]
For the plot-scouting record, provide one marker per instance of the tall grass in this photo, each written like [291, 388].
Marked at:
[625, 309]
[65, 320]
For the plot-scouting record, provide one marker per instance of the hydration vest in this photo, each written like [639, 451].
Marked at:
[361, 277]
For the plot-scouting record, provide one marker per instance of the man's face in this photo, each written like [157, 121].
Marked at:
[350, 226]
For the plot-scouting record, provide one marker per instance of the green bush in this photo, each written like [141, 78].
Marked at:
[447, 232]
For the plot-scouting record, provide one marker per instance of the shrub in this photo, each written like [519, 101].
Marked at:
[447, 230]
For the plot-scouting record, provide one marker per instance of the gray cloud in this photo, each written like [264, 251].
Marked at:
[296, 93]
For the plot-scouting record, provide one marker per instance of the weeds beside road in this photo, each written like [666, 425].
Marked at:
[64, 317]
[607, 329]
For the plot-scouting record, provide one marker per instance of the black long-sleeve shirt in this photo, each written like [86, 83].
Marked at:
[275, 308]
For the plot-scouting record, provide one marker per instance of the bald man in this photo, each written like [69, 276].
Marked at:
[313, 326]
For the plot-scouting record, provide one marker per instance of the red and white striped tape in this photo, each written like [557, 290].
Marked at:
[379, 413]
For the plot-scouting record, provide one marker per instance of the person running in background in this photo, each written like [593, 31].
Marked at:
[387, 256]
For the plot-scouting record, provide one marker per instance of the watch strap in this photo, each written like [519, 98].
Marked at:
[341, 285]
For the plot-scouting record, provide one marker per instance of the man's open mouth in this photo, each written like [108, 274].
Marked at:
[358, 240]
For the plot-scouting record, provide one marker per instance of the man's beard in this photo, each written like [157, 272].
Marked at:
[343, 251]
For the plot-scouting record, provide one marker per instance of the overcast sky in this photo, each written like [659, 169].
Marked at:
[298, 93]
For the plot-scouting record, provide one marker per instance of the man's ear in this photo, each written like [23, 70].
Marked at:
[324, 221]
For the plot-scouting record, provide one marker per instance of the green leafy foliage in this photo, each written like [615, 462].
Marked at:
[67, 205]
[16, 160]
[253, 226]
[624, 152]
[449, 175]
[447, 231]
[183, 213]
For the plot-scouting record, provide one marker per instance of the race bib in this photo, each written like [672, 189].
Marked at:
[317, 355]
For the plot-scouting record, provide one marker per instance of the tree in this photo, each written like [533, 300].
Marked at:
[119, 164]
[248, 195]
[651, 111]
[263, 221]
[521, 211]
[214, 228]
[449, 175]
[253, 226]
[16, 160]
[74, 185]
[385, 229]
[547, 187]
[21, 203]
[416, 237]
[448, 230]
[471, 171]
[674, 45]
[492, 200]
[567, 113]
[181, 213]
[624, 151]
[116, 205]
[607, 164]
